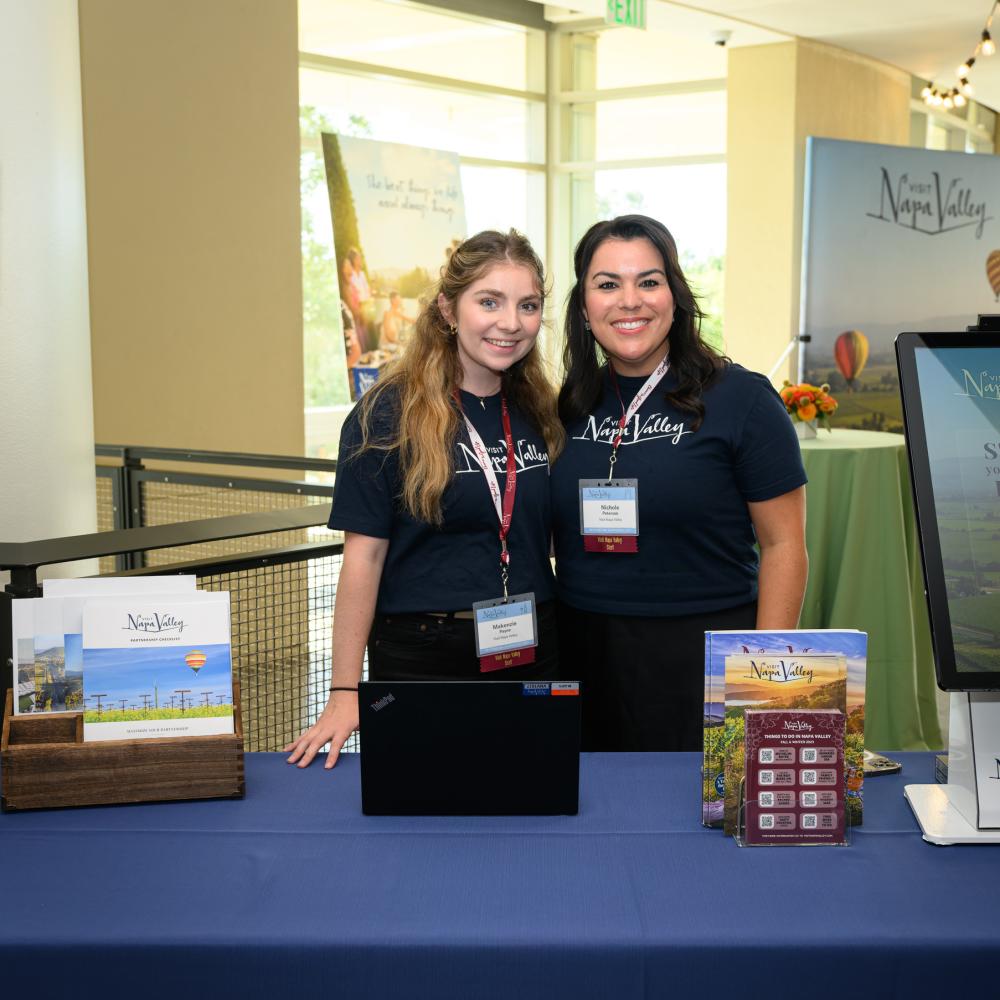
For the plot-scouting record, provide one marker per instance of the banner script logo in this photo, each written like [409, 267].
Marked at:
[931, 206]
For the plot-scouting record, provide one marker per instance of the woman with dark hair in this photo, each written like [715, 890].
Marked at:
[442, 493]
[677, 463]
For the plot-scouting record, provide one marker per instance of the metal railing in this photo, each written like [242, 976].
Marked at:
[282, 578]
[132, 495]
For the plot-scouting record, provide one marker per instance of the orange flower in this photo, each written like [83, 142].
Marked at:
[808, 402]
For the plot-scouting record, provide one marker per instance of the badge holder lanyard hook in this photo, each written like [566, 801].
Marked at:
[614, 448]
[504, 560]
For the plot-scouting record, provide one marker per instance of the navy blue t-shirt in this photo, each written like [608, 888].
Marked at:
[696, 541]
[448, 567]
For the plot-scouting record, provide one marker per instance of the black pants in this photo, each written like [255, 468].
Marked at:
[642, 679]
[415, 647]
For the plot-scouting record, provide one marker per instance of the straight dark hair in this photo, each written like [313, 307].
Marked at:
[694, 363]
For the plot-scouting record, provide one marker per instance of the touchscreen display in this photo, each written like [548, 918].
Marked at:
[960, 400]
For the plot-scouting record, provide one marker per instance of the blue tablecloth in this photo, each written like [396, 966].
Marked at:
[293, 892]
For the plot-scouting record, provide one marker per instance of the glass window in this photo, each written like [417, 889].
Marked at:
[499, 198]
[478, 125]
[682, 125]
[628, 58]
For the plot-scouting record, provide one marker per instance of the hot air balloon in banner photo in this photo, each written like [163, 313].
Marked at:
[993, 272]
[851, 352]
[195, 660]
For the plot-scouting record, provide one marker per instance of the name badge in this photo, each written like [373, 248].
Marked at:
[609, 515]
[506, 632]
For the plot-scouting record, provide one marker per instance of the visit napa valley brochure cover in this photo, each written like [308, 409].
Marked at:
[788, 670]
[157, 667]
[47, 637]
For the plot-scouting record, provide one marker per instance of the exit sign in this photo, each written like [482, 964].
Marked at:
[630, 13]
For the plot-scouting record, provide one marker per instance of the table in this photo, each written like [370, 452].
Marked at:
[865, 572]
[293, 892]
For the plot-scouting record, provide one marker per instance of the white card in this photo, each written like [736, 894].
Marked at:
[609, 508]
[157, 667]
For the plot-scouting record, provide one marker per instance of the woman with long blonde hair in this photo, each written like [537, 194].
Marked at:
[442, 491]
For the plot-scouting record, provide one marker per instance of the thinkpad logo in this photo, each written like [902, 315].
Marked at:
[377, 706]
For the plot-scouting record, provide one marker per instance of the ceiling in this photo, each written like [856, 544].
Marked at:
[928, 38]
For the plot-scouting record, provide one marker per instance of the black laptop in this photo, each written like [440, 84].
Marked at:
[469, 748]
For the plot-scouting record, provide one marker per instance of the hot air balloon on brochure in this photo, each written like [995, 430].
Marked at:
[993, 272]
[195, 660]
[850, 351]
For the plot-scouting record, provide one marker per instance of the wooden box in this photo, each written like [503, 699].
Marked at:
[47, 765]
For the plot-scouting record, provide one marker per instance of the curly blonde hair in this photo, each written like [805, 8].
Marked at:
[426, 376]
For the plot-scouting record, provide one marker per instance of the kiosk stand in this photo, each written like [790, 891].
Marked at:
[967, 809]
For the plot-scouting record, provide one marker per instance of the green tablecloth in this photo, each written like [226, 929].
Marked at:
[865, 572]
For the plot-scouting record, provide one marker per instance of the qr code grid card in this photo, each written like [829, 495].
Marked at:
[794, 777]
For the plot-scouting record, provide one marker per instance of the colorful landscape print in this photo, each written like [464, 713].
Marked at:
[777, 670]
[49, 674]
[138, 685]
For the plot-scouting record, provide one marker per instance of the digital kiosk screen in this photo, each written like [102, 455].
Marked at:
[951, 402]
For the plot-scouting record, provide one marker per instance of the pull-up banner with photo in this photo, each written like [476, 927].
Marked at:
[894, 239]
[398, 214]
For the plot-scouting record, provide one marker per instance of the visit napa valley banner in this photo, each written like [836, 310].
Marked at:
[895, 239]
[398, 214]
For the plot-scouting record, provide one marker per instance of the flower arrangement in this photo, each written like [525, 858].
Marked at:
[808, 403]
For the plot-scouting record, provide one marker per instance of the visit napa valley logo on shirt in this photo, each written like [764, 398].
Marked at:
[639, 429]
[526, 456]
[929, 204]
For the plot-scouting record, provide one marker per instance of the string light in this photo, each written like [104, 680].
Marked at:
[957, 97]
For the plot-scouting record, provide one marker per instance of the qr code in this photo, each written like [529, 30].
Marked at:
[808, 756]
[766, 821]
[809, 821]
[766, 800]
[767, 777]
[808, 777]
[809, 799]
[767, 756]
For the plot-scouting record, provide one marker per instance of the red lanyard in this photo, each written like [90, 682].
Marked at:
[504, 507]
[640, 397]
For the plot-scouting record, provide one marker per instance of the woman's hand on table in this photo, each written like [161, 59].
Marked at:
[335, 726]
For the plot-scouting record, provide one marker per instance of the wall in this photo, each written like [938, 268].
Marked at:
[190, 114]
[47, 443]
[778, 96]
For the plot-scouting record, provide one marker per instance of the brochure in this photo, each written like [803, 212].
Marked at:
[47, 636]
[794, 669]
[47, 671]
[794, 777]
[157, 668]
[122, 586]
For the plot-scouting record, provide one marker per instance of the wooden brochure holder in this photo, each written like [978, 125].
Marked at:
[47, 765]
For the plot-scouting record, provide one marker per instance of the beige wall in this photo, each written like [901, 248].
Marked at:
[778, 96]
[190, 112]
